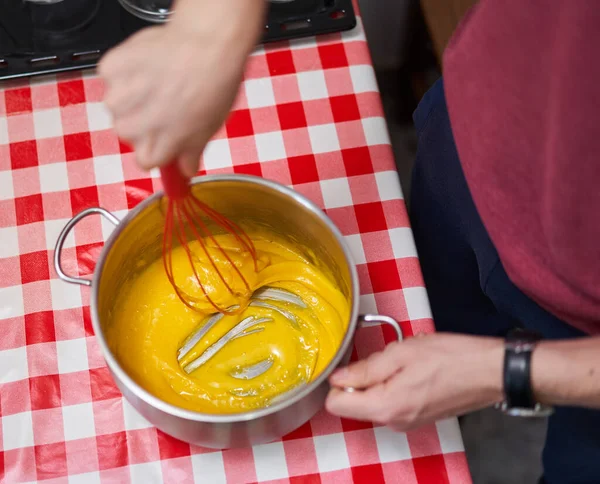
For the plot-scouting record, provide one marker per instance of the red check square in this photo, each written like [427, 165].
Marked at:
[39, 327]
[82, 198]
[71, 92]
[373, 474]
[34, 267]
[137, 190]
[384, 276]
[171, 448]
[303, 432]
[332, 56]
[239, 124]
[291, 115]
[431, 468]
[78, 146]
[344, 108]
[125, 147]
[307, 479]
[102, 385]
[23, 154]
[45, 392]
[370, 217]
[112, 450]
[280, 63]
[18, 101]
[29, 209]
[357, 161]
[87, 255]
[303, 169]
[248, 169]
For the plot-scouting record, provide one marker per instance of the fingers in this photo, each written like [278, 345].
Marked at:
[189, 163]
[365, 405]
[375, 369]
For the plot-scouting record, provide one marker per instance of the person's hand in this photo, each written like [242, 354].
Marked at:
[420, 380]
[169, 88]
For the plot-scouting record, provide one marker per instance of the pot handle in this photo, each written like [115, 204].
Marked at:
[63, 235]
[370, 320]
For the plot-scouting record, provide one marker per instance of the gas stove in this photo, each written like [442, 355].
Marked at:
[65, 35]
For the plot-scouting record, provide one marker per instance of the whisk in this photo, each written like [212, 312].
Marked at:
[188, 218]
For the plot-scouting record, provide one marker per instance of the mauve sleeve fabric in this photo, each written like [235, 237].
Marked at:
[522, 82]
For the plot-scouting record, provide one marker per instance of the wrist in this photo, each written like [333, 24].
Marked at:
[489, 364]
[237, 24]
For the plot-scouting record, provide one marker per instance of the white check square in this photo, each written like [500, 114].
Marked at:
[450, 437]
[269, 461]
[11, 302]
[208, 468]
[323, 138]
[47, 123]
[363, 79]
[72, 355]
[3, 131]
[403, 243]
[13, 365]
[388, 185]
[6, 186]
[392, 446]
[64, 296]
[108, 169]
[53, 229]
[367, 304]
[270, 146]
[312, 85]
[78, 421]
[259, 92]
[148, 473]
[217, 154]
[54, 177]
[376, 132]
[417, 303]
[336, 193]
[86, 478]
[9, 242]
[17, 431]
[331, 451]
[99, 117]
[356, 248]
[133, 419]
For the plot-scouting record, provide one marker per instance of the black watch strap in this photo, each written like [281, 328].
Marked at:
[518, 392]
[517, 375]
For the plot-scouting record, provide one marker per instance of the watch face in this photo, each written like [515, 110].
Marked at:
[538, 411]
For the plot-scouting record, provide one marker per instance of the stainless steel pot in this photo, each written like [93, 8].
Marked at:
[244, 199]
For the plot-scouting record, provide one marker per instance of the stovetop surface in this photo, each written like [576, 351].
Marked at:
[37, 41]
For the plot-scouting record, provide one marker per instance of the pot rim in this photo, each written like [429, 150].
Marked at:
[294, 396]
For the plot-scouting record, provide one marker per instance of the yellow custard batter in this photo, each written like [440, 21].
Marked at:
[149, 323]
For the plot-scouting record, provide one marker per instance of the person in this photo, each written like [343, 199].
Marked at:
[505, 208]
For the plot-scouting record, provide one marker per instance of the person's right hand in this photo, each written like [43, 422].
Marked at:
[169, 88]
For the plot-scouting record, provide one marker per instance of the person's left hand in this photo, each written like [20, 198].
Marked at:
[420, 380]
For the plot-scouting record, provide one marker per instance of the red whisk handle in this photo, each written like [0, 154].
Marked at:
[176, 185]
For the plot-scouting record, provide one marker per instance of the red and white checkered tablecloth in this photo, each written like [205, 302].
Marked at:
[309, 116]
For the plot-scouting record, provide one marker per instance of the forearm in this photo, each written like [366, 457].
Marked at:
[567, 372]
[238, 23]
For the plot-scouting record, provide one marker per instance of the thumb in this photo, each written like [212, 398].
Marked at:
[377, 368]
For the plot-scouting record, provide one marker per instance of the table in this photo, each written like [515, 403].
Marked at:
[308, 115]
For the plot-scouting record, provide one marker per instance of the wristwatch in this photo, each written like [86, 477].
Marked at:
[519, 400]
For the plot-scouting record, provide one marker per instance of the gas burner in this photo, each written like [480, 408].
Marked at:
[49, 36]
[61, 19]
